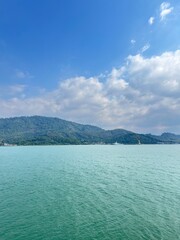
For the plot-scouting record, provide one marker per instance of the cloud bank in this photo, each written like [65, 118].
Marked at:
[142, 95]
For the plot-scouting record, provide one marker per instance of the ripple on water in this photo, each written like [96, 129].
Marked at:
[90, 192]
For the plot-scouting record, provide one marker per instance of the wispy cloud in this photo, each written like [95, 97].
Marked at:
[145, 48]
[16, 89]
[22, 74]
[133, 41]
[165, 9]
[141, 95]
[151, 20]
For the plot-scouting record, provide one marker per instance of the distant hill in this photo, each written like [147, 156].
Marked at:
[38, 130]
[169, 138]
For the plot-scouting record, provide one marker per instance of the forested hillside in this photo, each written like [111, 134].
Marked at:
[37, 130]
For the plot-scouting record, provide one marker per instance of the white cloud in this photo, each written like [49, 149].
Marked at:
[142, 95]
[151, 20]
[165, 9]
[145, 48]
[115, 80]
[158, 74]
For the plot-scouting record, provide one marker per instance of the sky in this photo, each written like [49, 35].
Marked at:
[109, 63]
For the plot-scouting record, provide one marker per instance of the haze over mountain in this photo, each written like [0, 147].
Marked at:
[37, 130]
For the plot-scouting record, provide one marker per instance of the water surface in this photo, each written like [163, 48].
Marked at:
[90, 192]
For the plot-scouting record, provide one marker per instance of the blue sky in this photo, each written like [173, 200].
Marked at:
[114, 63]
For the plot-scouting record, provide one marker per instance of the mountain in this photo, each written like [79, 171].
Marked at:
[44, 130]
[38, 130]
[169, 138]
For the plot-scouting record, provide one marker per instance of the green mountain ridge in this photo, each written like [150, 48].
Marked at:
[38, 130]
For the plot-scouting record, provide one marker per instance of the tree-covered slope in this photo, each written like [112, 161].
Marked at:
[37, 130]
[45, 130]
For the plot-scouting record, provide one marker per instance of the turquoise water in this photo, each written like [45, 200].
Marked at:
[90, 192]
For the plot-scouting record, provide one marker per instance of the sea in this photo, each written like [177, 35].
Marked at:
[92, 192]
